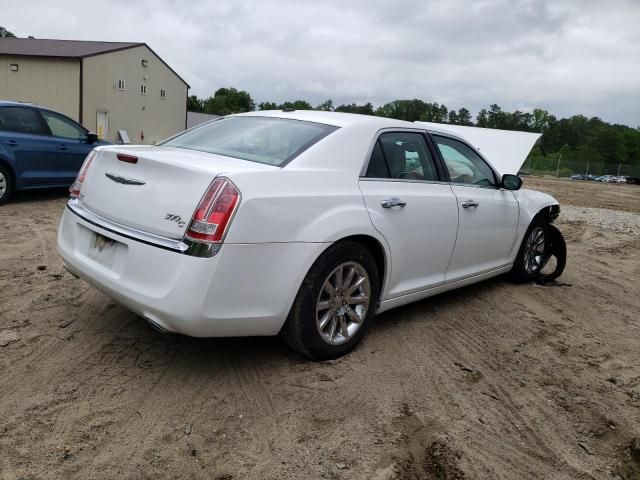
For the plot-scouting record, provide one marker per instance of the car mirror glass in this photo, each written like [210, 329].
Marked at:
[511, 182]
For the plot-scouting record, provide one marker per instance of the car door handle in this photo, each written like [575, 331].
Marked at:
[393, 202]
[11, 143]
[469, 204]
[62, 147]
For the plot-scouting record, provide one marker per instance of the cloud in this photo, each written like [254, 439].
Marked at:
[566, 56]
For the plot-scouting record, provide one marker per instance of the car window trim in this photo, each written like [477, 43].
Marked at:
[497, 177]
[376, 138]
[378, 143]
[44, 123]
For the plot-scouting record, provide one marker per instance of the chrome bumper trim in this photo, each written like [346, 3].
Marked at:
[186, 246]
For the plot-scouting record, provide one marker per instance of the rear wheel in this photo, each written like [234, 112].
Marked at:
[6, 185]
[335, 303]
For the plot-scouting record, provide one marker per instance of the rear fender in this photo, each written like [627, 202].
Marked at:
[349, 221]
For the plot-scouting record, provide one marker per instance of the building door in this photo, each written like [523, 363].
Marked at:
[102, 124]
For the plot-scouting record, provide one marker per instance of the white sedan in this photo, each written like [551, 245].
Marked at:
[303, 223]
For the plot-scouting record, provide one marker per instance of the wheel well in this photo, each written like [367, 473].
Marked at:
[7, 167]
[549, 214]
[376, 250]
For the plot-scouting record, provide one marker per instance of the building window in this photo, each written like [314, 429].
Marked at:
[121, 85]
[163, 93]
[13, 67]
[143, 89]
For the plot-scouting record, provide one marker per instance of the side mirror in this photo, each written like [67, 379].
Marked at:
[511, 182]
[92, 137]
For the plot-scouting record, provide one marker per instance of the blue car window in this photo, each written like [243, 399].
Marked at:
[20, 120]
[63, 127]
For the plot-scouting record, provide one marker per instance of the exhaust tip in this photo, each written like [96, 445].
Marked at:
[156, 327]
[70, 271]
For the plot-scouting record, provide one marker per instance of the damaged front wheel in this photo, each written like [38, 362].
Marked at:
[542, 255]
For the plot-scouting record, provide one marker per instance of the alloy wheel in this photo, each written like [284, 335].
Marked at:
[534, 253]
[3, 185]
[343, 303]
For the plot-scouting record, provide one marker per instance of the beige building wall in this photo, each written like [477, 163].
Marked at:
[49, 82]
[129, 110]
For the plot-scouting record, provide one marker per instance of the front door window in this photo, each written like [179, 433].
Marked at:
[63, 127]
[464, 164]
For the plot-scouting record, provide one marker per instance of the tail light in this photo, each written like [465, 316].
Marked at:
[74, 190]
[214, 212]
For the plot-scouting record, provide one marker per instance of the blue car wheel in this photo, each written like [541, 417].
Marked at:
[6, 185]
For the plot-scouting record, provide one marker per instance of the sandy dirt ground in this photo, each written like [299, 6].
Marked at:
[492, 381]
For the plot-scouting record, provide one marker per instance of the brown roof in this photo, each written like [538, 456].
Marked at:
[40, 47]
[59, 48]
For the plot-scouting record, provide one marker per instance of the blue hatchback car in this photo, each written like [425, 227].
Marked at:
[39, 148]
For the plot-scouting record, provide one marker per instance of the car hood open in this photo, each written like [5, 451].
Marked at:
[506, 150]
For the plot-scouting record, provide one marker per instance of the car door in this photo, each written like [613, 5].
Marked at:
[26, 142]
[412, 207]
[488, 214]
[71, 143]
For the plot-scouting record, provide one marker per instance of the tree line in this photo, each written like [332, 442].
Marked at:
[576, 139]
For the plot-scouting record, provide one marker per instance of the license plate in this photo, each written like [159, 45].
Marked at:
[102, 249]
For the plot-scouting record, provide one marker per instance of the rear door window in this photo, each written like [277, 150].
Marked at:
[402, 155]
[21, 120]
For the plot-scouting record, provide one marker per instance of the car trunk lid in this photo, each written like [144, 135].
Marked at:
[154, 189]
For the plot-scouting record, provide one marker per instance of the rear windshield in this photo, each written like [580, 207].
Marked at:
[268, 140]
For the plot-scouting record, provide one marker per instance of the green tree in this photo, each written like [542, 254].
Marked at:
[195, 104]
[326, 106]
[482, 119]
[540, 120]
[409, 110]
[296, 105]
[268, 106]
[4, 33]
[229, 100]
[366, 109]
[464, 117]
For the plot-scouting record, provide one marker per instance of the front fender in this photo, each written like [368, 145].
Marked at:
[530, 203]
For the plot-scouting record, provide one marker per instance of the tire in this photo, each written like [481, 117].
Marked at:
[316, 314]
[530, 262]
[6, 185]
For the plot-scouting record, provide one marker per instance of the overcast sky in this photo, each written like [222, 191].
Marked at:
[567, 56]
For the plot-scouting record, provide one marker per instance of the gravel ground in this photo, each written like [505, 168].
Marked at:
[607, 219]
[493, 381]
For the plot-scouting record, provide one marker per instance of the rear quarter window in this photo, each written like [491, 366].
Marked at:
[267, 140]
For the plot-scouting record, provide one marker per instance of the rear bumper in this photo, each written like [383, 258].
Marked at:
[246, 289]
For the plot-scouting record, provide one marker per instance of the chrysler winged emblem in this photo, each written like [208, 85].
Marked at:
[123, 180]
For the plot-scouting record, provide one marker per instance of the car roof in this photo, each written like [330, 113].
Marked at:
[337, 119]
[10, 103]
[4, 103]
